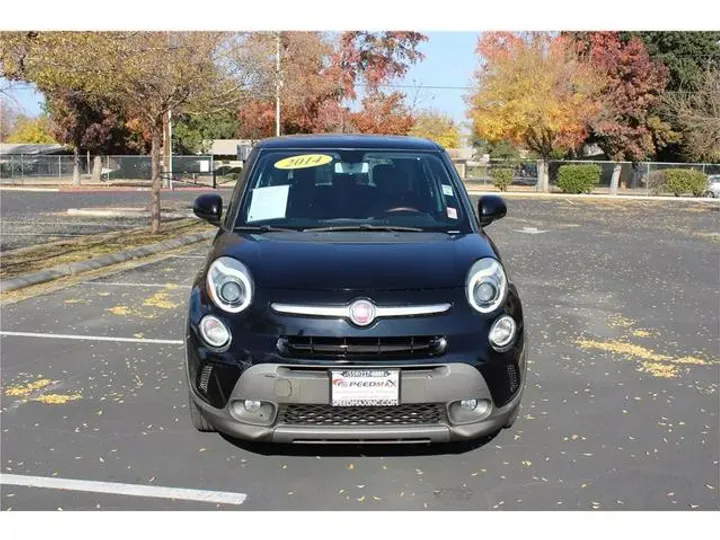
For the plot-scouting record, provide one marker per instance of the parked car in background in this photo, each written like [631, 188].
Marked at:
[713, 187]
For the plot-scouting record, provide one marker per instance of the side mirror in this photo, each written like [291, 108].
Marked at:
[209, 208]
[491, 208]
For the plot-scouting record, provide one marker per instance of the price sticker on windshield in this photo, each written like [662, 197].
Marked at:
[303, 162]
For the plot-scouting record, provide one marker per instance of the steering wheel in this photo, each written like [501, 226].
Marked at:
[403, 209]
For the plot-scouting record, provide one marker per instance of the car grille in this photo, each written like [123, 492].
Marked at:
[361, 347]
[327, 415]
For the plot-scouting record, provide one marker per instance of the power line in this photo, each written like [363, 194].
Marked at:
[469, 88]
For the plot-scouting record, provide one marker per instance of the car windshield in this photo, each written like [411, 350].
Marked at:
[343, 190]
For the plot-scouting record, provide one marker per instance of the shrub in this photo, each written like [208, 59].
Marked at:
[578, 178]
[680, 181]
[501, 178]
[657, 182]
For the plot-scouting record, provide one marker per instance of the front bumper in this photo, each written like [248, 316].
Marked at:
[430, 388]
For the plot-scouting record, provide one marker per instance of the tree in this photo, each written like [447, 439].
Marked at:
[533, 90]
[148, 73]
[687, 55]
[307, 89]
[193, 134]
[383, 114]
[89, 125]
[318, 75]
[371, 60]
[8, 117]
[437, 127]
[698, 114]
[31, 130]
[633, 84]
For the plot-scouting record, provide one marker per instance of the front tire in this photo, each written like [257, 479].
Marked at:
[197, 419]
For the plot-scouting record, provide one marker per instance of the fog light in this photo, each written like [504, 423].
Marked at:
[502, 333]
[469, 410]
[260, 413]
[214, 332]
[252, 406]
[468, 404]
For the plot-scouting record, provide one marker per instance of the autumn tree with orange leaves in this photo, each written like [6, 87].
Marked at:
[533, 90]
[319, 75]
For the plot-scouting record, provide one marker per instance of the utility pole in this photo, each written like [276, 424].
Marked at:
[167, 148]
[277, 84]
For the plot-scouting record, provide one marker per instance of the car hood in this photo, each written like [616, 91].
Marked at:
[357, 260]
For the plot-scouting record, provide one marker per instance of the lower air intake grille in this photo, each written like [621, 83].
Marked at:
[512, 378]
[361, 347]
[205, 377]
[326, 415]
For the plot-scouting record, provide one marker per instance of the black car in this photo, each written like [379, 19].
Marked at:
[351, 295]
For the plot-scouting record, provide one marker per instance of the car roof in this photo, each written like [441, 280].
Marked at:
[349, 142]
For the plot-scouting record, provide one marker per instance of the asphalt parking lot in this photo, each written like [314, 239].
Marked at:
[620, 410]
[32, 217]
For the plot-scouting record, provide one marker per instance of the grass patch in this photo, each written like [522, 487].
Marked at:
[43, 256]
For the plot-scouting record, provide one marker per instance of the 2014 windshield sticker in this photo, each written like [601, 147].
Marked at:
[303, 162]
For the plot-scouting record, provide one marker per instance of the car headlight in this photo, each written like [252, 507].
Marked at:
[229, 285]
[486, 285]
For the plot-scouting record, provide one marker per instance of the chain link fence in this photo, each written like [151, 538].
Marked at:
[524, 172]
[21, 169]
[643, 178]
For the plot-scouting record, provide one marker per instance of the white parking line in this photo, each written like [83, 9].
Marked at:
[133, 490]
[91, 338]
[120, 284]
[49, 235]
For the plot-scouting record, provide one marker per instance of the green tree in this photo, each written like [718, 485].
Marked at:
[193, 134]
[8, 117]
[687, 56]
[31, 130]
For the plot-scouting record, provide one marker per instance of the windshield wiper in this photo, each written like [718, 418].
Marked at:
[263, 228]
[365, 227]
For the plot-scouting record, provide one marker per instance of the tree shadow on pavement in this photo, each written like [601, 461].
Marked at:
[360, 450]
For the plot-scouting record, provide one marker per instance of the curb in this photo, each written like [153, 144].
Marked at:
[49, 274]
[125, 213]
[537, 195]
[107, 189]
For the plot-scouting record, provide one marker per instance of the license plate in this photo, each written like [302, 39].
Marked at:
[365, 387]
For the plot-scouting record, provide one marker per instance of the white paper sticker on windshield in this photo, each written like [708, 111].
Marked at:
[268, 203]
[447, 190]
[452, 213]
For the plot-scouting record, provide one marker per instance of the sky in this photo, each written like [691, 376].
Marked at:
[449, 61]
